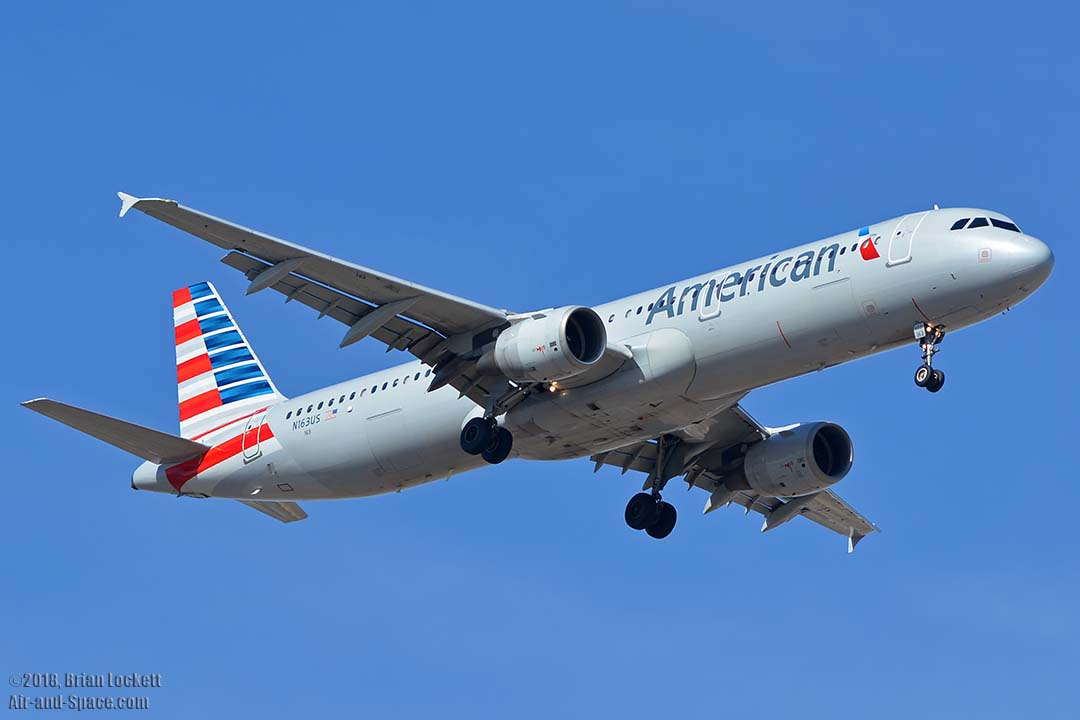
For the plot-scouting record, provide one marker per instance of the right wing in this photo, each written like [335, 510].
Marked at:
[444, 331]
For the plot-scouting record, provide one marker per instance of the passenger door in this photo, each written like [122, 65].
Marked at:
[902, 237]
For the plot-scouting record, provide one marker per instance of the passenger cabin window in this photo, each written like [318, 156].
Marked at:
[331, 403]
[395, 382]
[978, 222]
[384, 385]
[416, 377]
[288, 415]
[352, 396]
[320, 406]
[959, 224]
[309, 407]
[1004, 225]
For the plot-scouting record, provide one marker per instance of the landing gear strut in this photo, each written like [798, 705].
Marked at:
[647, 510]
[483, 436]
[929, 337]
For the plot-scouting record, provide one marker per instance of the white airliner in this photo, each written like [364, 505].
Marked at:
[649, 383]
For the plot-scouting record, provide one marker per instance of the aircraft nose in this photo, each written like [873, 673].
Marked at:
[1033, 260]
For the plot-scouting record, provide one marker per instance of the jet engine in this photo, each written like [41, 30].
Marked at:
[548, 345]
[800, 461]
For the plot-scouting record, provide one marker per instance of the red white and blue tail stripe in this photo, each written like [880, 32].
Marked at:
[219, 378]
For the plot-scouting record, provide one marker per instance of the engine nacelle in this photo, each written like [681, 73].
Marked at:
[799, 461]
[550, 345]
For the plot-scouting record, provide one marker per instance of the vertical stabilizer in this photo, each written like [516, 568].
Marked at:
[219, 377]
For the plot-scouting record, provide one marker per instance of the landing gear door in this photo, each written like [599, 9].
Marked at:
[901, 241]
[251, 443]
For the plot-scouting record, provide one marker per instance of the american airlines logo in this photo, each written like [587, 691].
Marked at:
[868, 244]
[757, 278]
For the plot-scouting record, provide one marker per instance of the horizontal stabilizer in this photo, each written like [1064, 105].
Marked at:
[283, 511]
[152, 445]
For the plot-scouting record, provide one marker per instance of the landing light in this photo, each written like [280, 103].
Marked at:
[553, 387]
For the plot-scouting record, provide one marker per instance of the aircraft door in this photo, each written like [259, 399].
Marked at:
[251, 443]
[900, 243]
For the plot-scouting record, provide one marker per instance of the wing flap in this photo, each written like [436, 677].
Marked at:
[397, 332]
[153, 445]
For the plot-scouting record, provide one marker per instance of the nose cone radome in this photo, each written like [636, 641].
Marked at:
[1033, 260]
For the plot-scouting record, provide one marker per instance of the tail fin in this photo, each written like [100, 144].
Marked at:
[219, 378]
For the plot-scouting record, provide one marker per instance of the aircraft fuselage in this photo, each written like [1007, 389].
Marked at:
[698, 346]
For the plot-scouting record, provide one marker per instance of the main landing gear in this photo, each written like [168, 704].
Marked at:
[483, 436]
[646, 511]
[929, 337]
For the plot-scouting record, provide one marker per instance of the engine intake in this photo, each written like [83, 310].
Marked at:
[550, 345]
[800, 461]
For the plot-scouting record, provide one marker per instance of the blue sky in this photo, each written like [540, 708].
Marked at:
[528, 157]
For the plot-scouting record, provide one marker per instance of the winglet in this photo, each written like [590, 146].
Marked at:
[126, 202]
[129, 201]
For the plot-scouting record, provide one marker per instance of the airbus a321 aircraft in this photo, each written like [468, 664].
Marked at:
[650, 383]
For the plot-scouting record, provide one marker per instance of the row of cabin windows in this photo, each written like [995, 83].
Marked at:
[749, 278]
[983, 222]
[352, 396]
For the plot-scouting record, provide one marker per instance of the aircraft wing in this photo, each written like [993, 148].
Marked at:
[695, 459]
[443, 331]
[438, 328]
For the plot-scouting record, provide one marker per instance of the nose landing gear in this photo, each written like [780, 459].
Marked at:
[929, 337]
[484, 437]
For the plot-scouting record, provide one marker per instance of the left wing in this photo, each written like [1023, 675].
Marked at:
[442, 330]
[701, 462]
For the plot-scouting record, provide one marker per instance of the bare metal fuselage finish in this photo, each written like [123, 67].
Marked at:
[698, 346]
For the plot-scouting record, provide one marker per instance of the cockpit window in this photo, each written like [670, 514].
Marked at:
[1004, 225]
[979, 222]
[959, 223]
